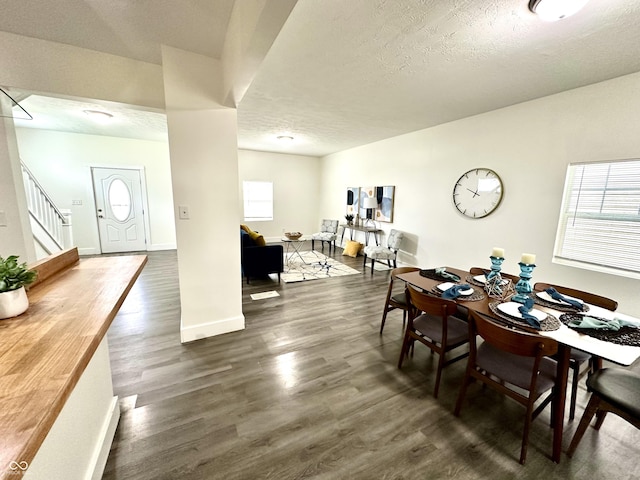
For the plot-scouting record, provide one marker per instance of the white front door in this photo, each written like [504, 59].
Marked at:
[119, 209]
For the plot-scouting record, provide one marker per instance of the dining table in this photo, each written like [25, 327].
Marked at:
[428, 280]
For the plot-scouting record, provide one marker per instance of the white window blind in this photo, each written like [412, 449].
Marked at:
[599, 222]
[258, 201]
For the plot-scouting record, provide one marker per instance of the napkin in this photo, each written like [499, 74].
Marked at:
[561, 298]
[526, 316]
[452, 293]
[596, 323]
[444, 274]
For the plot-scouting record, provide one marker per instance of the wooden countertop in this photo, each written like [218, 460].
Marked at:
[44, 351]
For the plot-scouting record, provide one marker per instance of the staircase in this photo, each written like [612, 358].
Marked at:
[50, 226]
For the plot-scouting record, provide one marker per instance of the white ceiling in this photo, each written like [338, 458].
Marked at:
[347, 73]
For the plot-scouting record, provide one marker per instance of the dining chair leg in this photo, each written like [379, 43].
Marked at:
[588, 414]
[438, 375]
[525, 435]
[373, 260]
[404, 349]
[574, 391]
[384, 319]
[599, 419]
[463, 391]
[313, 242]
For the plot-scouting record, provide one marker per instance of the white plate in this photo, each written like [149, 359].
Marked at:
[447, 285]
[548, 298]
[483, 279]
[511, 308]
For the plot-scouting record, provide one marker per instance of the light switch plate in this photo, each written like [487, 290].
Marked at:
[183, 212]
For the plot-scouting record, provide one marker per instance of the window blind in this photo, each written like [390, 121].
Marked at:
[258, 200]
[599, 222]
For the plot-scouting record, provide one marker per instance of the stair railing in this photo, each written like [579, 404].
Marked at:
[43, 210]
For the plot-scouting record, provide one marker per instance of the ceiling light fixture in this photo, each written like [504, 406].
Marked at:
[98, 115]
[284, 138]
[552, 10]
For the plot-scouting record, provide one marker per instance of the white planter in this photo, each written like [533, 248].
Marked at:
[13, 303]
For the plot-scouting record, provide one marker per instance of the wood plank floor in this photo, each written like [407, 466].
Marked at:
[311, 390]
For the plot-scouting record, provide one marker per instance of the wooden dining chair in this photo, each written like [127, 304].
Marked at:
[613, 390]
[578, 358]
[512, 362]
[399, 299]
[432, 322]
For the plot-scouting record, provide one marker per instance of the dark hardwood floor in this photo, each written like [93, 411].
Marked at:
[310, 389]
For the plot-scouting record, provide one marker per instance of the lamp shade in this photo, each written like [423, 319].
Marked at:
[552, 10]
[370, 202]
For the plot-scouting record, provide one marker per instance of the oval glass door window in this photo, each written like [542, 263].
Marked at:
[120, 200]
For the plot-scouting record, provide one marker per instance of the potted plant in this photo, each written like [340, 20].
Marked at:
[14, 277]
[349, 218]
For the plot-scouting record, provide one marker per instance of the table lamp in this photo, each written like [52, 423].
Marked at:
[370, 204]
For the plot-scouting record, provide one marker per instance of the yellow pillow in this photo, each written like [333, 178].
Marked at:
[257, 238]
[352, 248]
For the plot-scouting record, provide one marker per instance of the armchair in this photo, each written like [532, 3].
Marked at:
[388, 253]
[328, 233]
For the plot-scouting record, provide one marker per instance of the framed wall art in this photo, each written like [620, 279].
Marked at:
[358, 197]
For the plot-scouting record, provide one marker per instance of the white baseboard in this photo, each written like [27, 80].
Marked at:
[89, 251]
[210, 329]
[162, 246]
[108, 433]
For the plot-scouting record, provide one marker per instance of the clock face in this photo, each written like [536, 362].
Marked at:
[478, 192]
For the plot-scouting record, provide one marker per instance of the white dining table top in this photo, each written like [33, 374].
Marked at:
[621, 354]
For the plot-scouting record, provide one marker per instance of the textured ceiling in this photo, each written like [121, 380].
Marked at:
[346, 73]
[127, 28]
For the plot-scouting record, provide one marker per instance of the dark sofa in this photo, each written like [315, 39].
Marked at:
[260, 261]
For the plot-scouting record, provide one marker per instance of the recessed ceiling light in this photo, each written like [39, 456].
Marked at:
[284, 138]
[552, 10]
[98, 115]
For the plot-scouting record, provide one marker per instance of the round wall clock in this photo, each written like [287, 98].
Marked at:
[477, 192]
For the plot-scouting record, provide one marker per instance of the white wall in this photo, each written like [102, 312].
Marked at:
[529, 145]
[15, 230]
[296, 191]
[61, 162]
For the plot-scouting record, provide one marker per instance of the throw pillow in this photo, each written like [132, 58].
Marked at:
[257, 238]
[353, 248]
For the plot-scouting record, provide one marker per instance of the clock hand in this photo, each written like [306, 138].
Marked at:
[475, 194]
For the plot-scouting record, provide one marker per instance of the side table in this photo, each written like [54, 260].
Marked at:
[294, 246]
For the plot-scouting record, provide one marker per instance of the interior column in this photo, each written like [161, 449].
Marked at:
[204, 171]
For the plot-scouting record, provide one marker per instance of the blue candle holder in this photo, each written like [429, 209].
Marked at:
[496, 266]
[523, 287]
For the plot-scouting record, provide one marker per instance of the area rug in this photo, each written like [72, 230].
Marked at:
[313, 266]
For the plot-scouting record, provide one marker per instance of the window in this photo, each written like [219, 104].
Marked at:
[258, 201]
[599, 226]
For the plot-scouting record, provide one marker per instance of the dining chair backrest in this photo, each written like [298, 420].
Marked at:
[509, 340]
[590, 298]
[429, 304]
